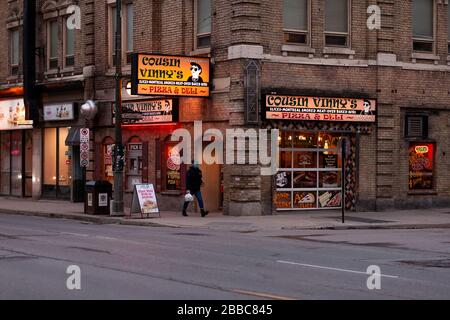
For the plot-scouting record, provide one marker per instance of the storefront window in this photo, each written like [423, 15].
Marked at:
[310, 171]
[173, 168]
[421, 166]
[5, 169]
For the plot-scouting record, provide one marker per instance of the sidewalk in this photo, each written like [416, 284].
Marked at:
[395, 219]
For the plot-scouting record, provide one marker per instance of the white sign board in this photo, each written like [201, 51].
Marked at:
[58, 112]
[144, 199]
[12, 115]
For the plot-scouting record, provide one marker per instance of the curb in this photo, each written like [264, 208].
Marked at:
[131, 222]
[86, 218]
[371, 227]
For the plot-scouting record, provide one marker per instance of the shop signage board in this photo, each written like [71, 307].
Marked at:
[144, 200]
[288, 107]
[58, 112]
[163, 75]
[12, 115]
[147, 112]
[84, 147]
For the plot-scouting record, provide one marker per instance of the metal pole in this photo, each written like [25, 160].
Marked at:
[343, 181]
[117, 209]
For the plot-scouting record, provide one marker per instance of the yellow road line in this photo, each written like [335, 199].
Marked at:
[263, 295]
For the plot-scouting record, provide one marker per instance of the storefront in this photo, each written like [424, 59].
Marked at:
[60, 157]
[16, 145]
[312, 132]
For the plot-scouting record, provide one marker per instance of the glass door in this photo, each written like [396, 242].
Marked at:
[310, 171]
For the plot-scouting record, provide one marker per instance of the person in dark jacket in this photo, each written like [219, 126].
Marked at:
[193, 184]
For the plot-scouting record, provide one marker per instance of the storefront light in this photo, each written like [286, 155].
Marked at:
[19, 176]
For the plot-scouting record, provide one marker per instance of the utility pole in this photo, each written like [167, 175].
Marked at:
[29, 60]
[118, 207]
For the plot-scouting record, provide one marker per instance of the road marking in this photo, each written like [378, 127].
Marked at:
[263, 295]
[75, 234]
[330, 268]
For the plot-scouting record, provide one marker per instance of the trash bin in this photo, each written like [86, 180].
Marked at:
[97, 197]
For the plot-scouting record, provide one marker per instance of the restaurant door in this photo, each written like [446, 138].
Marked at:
[57, 164]
[309, 177]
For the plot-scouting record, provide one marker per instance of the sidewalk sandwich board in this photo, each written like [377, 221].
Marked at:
[144, 200]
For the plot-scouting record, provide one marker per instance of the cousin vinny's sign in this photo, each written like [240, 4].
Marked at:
[284, 107]
[147, 112]
[170, 75]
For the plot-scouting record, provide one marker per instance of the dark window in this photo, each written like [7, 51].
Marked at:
[416, 126]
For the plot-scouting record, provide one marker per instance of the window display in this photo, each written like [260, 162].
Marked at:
[421, 166]
[310, 171]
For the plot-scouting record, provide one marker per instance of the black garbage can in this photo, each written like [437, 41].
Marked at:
[97, 197]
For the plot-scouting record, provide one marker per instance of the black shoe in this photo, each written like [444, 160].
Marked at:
[184, 213]
[204, 213]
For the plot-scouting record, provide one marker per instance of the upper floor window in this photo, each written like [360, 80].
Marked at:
[423, 25]
[448, 24]
[202, 10]
[296, 21]
[69, 46]
[14, 47]
[337, 23]
[126, 33]
[52, 50]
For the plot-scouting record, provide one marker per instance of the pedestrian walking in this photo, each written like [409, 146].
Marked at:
[193, 183]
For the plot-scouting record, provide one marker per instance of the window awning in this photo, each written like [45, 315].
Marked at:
[73, 137]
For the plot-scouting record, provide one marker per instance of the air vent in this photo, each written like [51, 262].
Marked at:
[416, 126]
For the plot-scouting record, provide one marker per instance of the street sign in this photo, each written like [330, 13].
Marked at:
[84, 147]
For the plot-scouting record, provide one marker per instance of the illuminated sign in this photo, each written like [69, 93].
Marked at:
[284, 107]
[421, 149]
[149, 112]
[12, 115]
[170, 75]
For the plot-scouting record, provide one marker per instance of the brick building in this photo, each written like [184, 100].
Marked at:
[310, 51]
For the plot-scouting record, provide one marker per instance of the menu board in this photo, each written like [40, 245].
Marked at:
[144, 199]
[305, 200]
[330, 161]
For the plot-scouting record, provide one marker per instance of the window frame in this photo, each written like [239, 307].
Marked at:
[422, 39]
[126, 55]
[50, 59]
[307, 33]
[200, 35]
[336, 33]
[14, 66]
[66, 65]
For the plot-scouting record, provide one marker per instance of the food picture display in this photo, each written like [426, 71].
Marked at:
[305, 200]
[283, 179]
[310, 171]
[305, 179]
[330, 199]
[173, 172]
[421, 166]
[283, 200]
[305, 159]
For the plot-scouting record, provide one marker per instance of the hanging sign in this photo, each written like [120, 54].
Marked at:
[58, 112]
[144, 200]
[170, 75]
[148, 112]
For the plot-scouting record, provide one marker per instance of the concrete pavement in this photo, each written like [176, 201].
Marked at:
[132, 262]
[395, 219]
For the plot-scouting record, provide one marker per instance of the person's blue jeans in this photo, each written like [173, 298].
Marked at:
[199, 197]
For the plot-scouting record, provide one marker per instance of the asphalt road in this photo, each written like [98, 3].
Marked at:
[127, 262]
